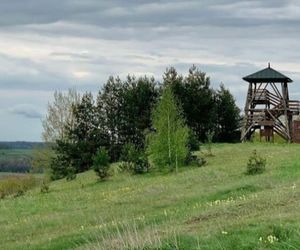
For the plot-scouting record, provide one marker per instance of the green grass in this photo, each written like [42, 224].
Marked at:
[213, 207]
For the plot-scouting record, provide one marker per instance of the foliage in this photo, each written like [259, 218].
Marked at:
[228, 117]
[59, 116]
[193, 143]
[168, 146]
[101, 163]
[196, 97]
[108, 107]
[122, 112]
[119, 104]
[256, 164]
[134, 160]
[75, 154]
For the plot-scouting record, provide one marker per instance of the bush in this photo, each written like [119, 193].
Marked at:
[256, 164]
[44, 187]
[129, 153]
[141, 165]
[196, 160]
[71, 174]
[134, 160]
[193, 142]
[101, 163]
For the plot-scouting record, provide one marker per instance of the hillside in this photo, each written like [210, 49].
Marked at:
[213, 207]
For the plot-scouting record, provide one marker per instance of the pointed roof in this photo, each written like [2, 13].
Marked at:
[267, 75]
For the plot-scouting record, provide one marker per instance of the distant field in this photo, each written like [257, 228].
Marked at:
[213, 207]
[14, 153]
[15, 160]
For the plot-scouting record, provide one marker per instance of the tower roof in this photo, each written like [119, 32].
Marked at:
[267, 75]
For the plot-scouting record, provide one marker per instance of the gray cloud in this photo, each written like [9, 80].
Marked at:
[47, 45]
[26, 110]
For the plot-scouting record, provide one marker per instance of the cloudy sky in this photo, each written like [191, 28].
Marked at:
[57, 44]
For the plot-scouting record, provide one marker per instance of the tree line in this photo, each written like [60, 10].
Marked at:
[136, 114]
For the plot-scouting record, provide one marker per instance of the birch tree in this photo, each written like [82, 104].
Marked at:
[59, 115]
[168, 145]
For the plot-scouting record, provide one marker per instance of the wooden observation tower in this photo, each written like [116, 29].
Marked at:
[268, 107]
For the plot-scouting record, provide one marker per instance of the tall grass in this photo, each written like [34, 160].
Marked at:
[132, 235]
[17, 185]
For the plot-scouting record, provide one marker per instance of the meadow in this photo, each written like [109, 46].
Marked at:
[215, 206]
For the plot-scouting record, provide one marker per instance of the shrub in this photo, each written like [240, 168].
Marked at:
[196, 160]
[193, 142]
[141, 165]
[129, 153]
[134, 160]
[44, 187]
[101, 163]
[71, 174]
[256, 164]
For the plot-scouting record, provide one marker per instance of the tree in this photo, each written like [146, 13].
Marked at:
[138, 98]
[168, 146]
[83, 135]
[108, 109]
[228, 116]
[124, 111]
[59, 116]
[196, 97]
[75, 154]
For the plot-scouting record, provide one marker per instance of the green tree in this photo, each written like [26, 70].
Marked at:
[75, 154]
[109, 102]
[138, 99]
[196, 97]
[228, 116]
[168, 146]
[124, 111]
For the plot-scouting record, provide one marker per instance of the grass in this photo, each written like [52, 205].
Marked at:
[213, 207]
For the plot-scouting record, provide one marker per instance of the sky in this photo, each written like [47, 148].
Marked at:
[48, 45]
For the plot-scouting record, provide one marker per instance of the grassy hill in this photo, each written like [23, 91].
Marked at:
[213, 207]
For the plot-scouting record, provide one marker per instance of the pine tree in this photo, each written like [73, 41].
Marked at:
[75, 154]
[168, 146]
[228, 116]
[196, 97]
[138, 99]
[109, 102]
